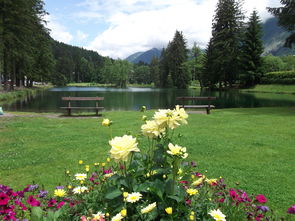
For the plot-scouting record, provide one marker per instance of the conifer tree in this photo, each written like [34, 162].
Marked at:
[223, 62]
[155, 71]
[177, 55]
[164, 68]
[252, 48]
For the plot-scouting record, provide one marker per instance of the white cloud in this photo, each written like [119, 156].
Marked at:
[139, 25]
[81, 36]
[58, 31]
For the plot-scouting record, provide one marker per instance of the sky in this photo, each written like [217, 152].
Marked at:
[119, 28]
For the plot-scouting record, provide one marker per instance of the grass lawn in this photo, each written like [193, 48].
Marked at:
[272, 88]
[252, 147]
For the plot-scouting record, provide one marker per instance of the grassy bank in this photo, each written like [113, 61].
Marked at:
[18, 93]
[252, 147]
[272, 88]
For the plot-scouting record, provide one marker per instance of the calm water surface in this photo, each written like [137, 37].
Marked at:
[134, 98]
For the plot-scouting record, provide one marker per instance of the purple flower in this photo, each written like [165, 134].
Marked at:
[43, 193]
[59, 187]
[193, 164]
[291, 210]
[263, 208]
[33, 187]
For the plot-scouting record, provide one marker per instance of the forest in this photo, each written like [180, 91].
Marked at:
[232, 58]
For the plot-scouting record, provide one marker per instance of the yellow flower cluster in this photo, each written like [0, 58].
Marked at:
[122, 147]
[164, 118]
[192, 192]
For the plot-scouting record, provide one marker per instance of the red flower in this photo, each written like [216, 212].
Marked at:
[60, 204]
[51, 203]
[261, 198]
[233, 194]
[4, 199]
[32, 201]
[259, 217]
[291, 210]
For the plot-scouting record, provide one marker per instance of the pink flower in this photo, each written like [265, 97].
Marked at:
[291, 210]
[51, 203]
[32, 201]
[60, 204]
[261, 198]
[259, 217]
[233, 194]
[221, 200]
[245, 197]
[3, 199]
[188, 202]
[83, 218]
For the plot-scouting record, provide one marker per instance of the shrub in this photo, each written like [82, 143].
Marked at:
[279, 77]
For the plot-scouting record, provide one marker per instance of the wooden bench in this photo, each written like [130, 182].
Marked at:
[69, 108]
[208, 106]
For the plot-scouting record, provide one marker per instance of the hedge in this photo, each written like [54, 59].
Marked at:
[279, 77]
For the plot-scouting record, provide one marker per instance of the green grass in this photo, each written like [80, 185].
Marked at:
[252, 147]
[272, 88]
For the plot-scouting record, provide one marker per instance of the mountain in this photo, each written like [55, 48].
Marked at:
[145, 57]
[274, 37]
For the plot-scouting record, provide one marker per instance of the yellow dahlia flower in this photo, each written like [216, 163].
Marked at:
[122, 146]
[151, 129]
[181, 114]
[118, 217]
[176, 150]
[149, 208]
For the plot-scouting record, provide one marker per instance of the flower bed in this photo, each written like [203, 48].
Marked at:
[137, 182]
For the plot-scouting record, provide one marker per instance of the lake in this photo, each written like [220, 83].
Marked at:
[133, 98]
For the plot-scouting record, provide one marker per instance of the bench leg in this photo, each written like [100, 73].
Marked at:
[208, 110]
[69, 112]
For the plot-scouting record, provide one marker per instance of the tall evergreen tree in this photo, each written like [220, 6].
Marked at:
[286, 16]
[252, 48]
[164, 68]
[224, 58]
[155, 71]
[177, 55]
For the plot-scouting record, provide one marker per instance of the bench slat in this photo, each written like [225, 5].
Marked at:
[199, 106]
[196, 98]
[86, 108]
[82, 98]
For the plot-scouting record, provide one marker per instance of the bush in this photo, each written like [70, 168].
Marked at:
[279, 77]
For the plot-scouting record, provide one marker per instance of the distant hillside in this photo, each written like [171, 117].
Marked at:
[145, 57]
[274, 38]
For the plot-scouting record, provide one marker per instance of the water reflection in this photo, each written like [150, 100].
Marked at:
[134, 98]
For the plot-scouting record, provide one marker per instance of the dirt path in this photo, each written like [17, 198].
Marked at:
[7, 115]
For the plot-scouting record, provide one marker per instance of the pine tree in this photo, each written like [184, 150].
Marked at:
[155, 71]
[223, 62]
[177, 55]
[164, 68]
[252, 48]
[286, 16]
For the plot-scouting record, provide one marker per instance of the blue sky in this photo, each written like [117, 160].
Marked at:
[118, 28]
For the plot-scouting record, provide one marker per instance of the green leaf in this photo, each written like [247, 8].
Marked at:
[37, 213]
[113, 194]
